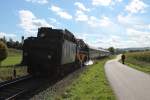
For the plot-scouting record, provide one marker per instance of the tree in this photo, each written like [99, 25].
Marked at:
[111, 50]
[3, 51]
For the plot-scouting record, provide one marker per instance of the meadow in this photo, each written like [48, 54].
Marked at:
[7, 67]
[139, 60]
[14, 57]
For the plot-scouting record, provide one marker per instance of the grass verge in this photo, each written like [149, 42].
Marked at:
[91, 85]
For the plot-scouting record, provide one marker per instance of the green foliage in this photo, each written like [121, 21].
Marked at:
[112, 50]
[3, 51]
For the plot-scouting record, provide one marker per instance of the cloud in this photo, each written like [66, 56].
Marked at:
[7, 36]
[29, 22]
[92, 20]
[54, 21]
[101, 22]
[81, 16]
[108, 41]
[134, 35]
[127, 21]
[136, 6]
[119, 0]
[101, 2]
[60, 12]
[81, 6]
[38, 1]
[130, 21]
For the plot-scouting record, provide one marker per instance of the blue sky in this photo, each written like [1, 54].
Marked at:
[101, 23]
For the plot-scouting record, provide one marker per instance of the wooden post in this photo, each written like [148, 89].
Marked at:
[14, 72]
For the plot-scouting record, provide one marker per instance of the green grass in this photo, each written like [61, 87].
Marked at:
[12, 60]
[7, 73]
[14, 57]
[91, 85]
[139, 61]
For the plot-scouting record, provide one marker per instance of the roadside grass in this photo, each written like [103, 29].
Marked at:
[91, 85]
[139, 61]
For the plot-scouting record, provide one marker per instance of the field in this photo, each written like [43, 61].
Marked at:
[91, 85]
[6, 69]
[14, 57]
[139, 60]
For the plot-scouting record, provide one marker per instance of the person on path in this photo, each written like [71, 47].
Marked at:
[123, 58]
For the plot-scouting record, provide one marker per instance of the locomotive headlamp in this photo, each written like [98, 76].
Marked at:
[49, 56]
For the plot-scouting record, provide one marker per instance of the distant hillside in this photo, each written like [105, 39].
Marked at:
[136, 49]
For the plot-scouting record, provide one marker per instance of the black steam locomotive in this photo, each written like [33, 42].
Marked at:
[56, 51]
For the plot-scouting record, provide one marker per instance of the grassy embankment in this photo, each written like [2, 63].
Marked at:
[6, 71]
[139, 61]
[91, 85]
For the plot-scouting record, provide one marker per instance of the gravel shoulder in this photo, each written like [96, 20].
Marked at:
[52, 92]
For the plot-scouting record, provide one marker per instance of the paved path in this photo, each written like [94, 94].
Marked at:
[127, 83]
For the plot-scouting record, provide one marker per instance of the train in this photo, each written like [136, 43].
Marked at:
[56, 52]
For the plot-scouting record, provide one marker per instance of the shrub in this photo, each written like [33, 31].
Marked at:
[3, 52]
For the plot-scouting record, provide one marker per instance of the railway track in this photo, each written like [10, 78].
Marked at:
[15, 89]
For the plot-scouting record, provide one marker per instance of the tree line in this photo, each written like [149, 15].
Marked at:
[11, 43]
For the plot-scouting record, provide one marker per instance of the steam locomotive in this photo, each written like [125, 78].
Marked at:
[57, 51]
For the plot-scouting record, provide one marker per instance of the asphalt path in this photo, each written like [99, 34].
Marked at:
[127, 83]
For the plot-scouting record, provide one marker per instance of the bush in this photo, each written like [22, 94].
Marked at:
[3, 51]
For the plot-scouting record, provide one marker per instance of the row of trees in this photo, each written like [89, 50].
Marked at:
[12, 44]
[5, 44]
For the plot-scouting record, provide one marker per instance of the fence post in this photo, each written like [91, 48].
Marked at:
[14, 72]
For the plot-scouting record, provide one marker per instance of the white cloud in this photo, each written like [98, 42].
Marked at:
[81, 6]
[60, 12]
[30, 23]
[102, 2]
[136, 6]
[38, 1]
[127, 21]
[2, 34]
[119, 0]
[131, 21]
[102, 22]
[81, 16]
[141, 38]
[53, 20]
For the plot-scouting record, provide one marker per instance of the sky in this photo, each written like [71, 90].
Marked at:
[100, 23]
